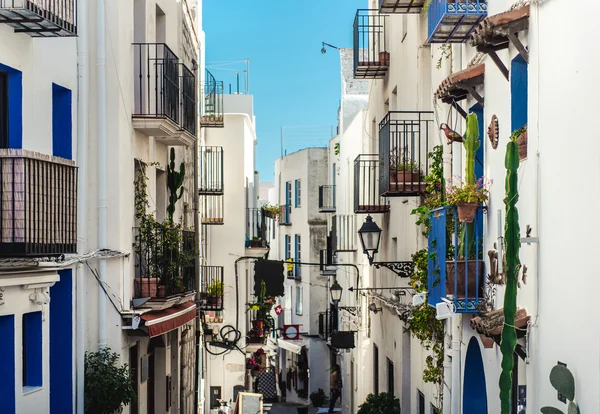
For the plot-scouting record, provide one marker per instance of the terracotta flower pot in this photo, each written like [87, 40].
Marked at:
[146, 287]
[522, 143]
[466, 212]
[471, 289]
[384, 58]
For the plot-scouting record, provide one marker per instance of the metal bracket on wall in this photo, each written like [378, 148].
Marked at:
[402, 269]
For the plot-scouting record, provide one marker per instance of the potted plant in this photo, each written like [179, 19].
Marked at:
[271, 211]
[318, 398]
[256, 242]
[384, 58]
[467, 198]
[404, 171]
[215, 293]
[380, 403]
[108, 385]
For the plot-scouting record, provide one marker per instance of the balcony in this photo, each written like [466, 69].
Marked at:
[401, 6]
[327, 199]
[211, 171]
[285, 215]
[325, 325]
[188, 115]
[211, 288]
[344, 233]
[165, 262]
[403, 151]
[38, 204]
[258, 228]
[452, 21]
[453, 274]
[371, 56]
[212, 112]
[40, 18]
[366, 185]
[212, 209]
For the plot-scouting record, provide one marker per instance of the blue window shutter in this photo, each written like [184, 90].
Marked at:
[296, 193]
[287, 193]
[7, 357]
[61, 348]
[297, 259]
[62, 125]
[15, 106]
[287, 246]
[32, 349]
[518, 93]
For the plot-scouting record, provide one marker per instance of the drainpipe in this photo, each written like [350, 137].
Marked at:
[82, 187]
[101, 55]
[456, 362]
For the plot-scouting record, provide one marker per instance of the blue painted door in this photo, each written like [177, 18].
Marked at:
[7, 360]
[474, 390]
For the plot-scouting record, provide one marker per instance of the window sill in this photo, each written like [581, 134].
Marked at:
[29, 389]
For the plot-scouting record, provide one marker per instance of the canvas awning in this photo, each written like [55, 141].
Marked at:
[292, 346]
[169, 319]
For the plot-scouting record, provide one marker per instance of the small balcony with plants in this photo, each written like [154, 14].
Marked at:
[367, 199]
[37, 18]
[261, 323]
[211, 288]
[401, 6]
[258, 229]
[403, 147]
[452, 21]
[211, 171]
[327, 199]
[285, 215]
[38, 204]
[371, 54]
[211, 110]
[343, 231]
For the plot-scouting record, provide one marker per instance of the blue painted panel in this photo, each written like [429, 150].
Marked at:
[474, 391]
[32, 349]
[518, 93]
[62, 124]
[61, 344]
[7, 361]
[436, 264]
[287, 246]
[296, 255]
[15, 106]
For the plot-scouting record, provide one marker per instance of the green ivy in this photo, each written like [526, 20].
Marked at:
[435, 189]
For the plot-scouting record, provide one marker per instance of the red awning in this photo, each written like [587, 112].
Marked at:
[166, 320]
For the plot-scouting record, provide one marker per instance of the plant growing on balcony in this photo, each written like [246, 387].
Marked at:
[513, 264]
[271, 211]
[174, 183]
[467, 198]
[435, 194]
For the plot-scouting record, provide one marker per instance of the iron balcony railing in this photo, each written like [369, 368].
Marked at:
[165, 261]
[188, 100]
[211, 171]
[366, 185]
[327, 198]
[258, 228]
[156, 82]
[456, 269]
[211, 288]
[401, 6]
[403, 151]
[371, 54]
[212, 209]
[452, 21]
[328, 322]
[40, 18]
[285, 215]
[38, 204]
[344, 233]
[211, 111]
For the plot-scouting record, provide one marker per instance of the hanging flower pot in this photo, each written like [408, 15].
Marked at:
[384, 58]
[466, 212]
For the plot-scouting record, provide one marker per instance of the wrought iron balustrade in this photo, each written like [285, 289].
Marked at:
[211, 288]
[212, 111]
[326, 198]
[212, 209]
[403, 151]
[366, 185]
[38, 204]
[188, 100]
[452, 21]
[344, 232]
[371, 54]
[40, 18]
[258, 228]
[156, 82]
[211, 171]
[456, 269]
[165, 261]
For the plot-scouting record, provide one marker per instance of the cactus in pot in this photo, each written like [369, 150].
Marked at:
[174, 184]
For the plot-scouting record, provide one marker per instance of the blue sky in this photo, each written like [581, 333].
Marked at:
[292, 82]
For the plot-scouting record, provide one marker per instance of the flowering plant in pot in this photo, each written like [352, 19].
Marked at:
[467, 198]
[403, 168]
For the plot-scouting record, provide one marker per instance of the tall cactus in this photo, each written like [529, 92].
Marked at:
[174, 183]
[471, 143]
[512, 245]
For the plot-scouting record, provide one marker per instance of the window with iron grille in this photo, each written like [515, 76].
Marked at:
[3, 110]
[298, 193]
[288, 196]
[298, 300]
[297, 248]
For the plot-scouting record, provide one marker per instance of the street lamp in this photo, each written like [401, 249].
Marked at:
[370, 236]
[336, 292]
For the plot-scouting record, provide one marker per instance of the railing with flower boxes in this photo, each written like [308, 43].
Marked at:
[164, 261]
[38, 204]
[367, 198]
[40, 18]
[211, 111]
[326, 198]
[401, 6]
[452, 21]
[261, 324]
[211, 288]
[371, 55]
[211, 171]
[403, 149]
[456, 269]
